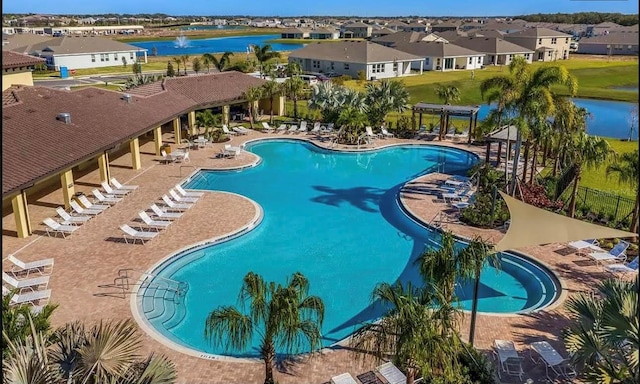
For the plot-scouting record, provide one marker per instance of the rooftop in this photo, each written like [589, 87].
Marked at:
[352, 52]
[16, 60]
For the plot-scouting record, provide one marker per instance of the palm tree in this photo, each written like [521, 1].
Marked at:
[627, 169]
[185, 60]
[196, 64]
[206, 62]
[585, 151]
[383, 98]
[271, 89]
[293, 69]
[440, 266]
[603, 335]
[447, 95]
[352, 122]
[264, 53]
[178, 61]
[220, 64]
[293, 87]
[285, 317]
[252, 95]
[15, 324]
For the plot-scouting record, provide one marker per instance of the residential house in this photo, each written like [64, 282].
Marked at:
[438, 56]
[444, 26]
[324, 34]
[621, 43]
[416, 27]
[355, 29]
[380, 31]
[548, 45]
[497, 51]
[602, 28]
[485, 33]
[396, 25]
[17, 68]
[449, 35]
[393, 39]
[295, 33]
[350, 57]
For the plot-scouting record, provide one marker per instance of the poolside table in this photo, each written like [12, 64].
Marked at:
[201, 142]
[582, 247]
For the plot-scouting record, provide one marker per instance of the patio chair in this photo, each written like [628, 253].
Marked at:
[461, 136]
[629, 267]
[166, 158]
[175, 206]
[303, 126]
[230, 151]
[369, 377]
[155, 224]
[508, 358]
[559, 365]
[163, 214]
[292, 129]
[32, 284]
[20, 267]
[121, 187]
[369, 133]
[226, 130]
[105, 199]
[27, 298]
[182, 199]
[316, 127]
[184, 193]
[89, 205]
[132, 234]
[344, 378]
[385, 133]
[114, 192]
[240, 130]
[83, 211]
[617, 253]
[281, 128]
[67, 219]
[55, 227]
[393, 374]
[267, 127]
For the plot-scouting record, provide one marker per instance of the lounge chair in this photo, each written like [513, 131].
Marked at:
[55, 227]
[89, 205]
[32, 284]
[582, 246]
[629, 267]
[20, 267]
[266, 126]
[226, 130]
[240, 130]
[385, 133]
[328, 129]
[559, 365]
[392, 374]
[344, 378]
[165, 158]
[182, 199]
[175, 206]
[281, 128]
[105, 199]
[230, 151]
[303, 126]
[184, 193]
[293, 128]
[130, 233]
[125, 187]
[67, 219]
[163, 214]
[369, 133]
[507, 356]
[156, 224]
[83, 211]
[28, 297]
[369, 377]
[316, 127]
[617, 253]
[110, 191]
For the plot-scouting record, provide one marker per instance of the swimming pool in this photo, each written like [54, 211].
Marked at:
[336, 218]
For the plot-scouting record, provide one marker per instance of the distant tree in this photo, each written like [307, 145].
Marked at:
[170, 71]
[185, 60]
[206, 62]
[252, 95]
[220, 64]
[271, 88]
[124, 61]
[154, 51]
[196, 65]
[264, 53]
[178, 62]
[137, 69]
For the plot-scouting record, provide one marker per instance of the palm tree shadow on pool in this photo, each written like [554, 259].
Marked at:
[364, 198]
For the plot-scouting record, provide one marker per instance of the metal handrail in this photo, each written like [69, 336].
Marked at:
[180, 285]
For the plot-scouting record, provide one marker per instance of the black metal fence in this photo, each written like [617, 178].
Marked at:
[599, 202]
[564, 180]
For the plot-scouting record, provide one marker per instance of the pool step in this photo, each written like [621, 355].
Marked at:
[179, 313]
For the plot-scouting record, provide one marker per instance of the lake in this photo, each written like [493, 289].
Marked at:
[210, 27]
[212, 45]
[608, 118]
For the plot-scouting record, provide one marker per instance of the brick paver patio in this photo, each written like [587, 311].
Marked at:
[87, 262]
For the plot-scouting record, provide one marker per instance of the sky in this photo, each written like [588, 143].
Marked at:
[321, 8]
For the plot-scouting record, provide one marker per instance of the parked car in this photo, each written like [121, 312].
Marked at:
[320, 76]
[309, 79]
[331, 74]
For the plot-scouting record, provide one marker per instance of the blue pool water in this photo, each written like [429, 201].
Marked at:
[335, 218]
[214, 45]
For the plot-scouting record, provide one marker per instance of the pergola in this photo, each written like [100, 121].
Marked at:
[446, 110]
[507, 134]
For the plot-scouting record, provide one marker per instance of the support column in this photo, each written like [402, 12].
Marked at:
[103, 165]
[470, 129]
[226, 110]
[134, 147]
[413, 119]
[21, 215]
[192, 122]
[280, 106]
[499, 153]
[420, 121]
[157, 139]
[488, 152]
[421, 66]
[66, 181]
[177, 134]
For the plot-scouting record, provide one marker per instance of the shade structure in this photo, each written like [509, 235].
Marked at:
[534, 226]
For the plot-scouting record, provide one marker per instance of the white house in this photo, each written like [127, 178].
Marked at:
[497, 51]
[350, 57]
[438, 56]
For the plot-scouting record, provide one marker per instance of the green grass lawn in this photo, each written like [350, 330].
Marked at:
[596, 178]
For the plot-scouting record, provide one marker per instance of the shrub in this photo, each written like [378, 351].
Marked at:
[479, 213]
[340, 80]
[537, 195]
[362, 76]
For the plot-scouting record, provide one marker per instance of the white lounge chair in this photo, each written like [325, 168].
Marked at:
[110, 191]
[83, 211]
[226, 130]
[392, 374]
[344, 378]
[616, 254]
[629, 267]
[188, 193]
[240, 130]
[105, 199]
[55, 227]
[385, 133]
[67, 219]
[40, 266]
[155, 224]
[165, 158]
[125, 187]
[328, 129]
[368, 131]
[281, 128]
[181, 199]
[552, 359]
[130, 233]
[32, 284]
[230, 151]
[266, 126]
[28, 297]
[316, 127]
[293, 128]
[163, 214]
[89, 205]
[175, 206]
[507, 355]
[303, 126]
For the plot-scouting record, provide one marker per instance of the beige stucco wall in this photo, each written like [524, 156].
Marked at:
[16, 78]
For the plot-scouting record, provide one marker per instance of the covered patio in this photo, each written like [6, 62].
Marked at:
[445, 111]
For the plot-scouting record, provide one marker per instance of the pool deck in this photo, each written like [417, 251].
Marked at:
[87, 261]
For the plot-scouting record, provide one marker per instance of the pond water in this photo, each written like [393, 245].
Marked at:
[630, 88]
[210, 27]
[182, 45]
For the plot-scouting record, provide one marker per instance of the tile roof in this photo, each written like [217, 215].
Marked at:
[400, 37]
[624, 38]
[16, 60]
[22, 42]
[352, 52]
[491, 45]
[436, 49]
[35, 144]
[84, 44]
[537, 33]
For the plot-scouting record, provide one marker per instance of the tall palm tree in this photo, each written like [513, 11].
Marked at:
[293, 87]
[206, 62]
[252, 95]
[264, 53]
[440, 267]
[384, 97]
[185, 60]
[603, 336]
[271, 89]
[220, 64]
[352, 121]
[447, 95]
[585, 151]
[293, 69]
[627, 169]
[285, 317]
[178, 61]
[14, 323]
